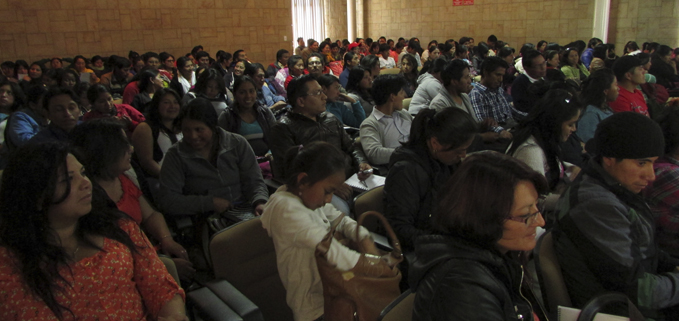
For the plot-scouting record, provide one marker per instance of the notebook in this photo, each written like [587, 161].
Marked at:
[571, 314]
[372, 182]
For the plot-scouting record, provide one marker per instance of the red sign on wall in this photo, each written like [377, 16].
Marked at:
[463, 2]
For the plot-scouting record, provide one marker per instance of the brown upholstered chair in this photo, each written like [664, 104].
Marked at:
[244, 255]
[406, 103]
[552, 285]
[390, 71]
[399, 310]
[372, 200]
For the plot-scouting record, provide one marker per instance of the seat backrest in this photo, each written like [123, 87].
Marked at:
[406, 103]
[390, 71]
[552, 285]
[372, 200]
[244, 255]
[399, 310]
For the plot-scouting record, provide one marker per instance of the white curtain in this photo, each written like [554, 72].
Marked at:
[307, 20]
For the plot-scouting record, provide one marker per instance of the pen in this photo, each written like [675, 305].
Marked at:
[367, 171]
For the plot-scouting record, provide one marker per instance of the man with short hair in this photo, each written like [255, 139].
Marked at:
[604, 235]
[118, 78]
[388, 125]
[535, 68]
[308, 122]
[457, 82]
[630, 73]
[203, 59]
[413, 48]
[61, 108]
[282, 57]
[382, 40]
[488, 98]
[386, 61]
[300, 47]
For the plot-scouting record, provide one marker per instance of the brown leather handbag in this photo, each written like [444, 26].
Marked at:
[361, 293]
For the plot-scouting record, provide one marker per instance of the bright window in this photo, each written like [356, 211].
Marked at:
[307, 20]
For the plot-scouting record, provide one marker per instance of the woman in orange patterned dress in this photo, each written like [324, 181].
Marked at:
[66, 255]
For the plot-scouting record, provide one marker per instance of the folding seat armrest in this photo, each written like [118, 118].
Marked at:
[221, 301]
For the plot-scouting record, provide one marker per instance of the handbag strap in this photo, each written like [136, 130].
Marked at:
[594, 306]
[397, 253]
[324, 245]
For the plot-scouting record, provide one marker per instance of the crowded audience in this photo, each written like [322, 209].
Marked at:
[105, 159]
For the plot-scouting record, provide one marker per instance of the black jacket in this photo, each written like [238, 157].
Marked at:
[410, 191]
[295, 129]
[455, 279]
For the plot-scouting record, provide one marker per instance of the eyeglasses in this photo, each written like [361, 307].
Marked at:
[529, 219]
[316, 93]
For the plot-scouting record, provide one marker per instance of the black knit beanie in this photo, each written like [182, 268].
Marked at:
[628, 135]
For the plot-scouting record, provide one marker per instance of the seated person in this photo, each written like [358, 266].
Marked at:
[351, 60]
[457, 82]
[106, 153]
[282, 57]
[210, 86]
[210, 169]
[267, 93]
[80, 66]
[185, 78]
[73, 236]
[429, 85]
[248, 118]
[662, 192]
[67, 78]
[535, 68]
[488, 98]
[388, 126]
[295, 69]
[571, 66]
[630, 74]
[297, 218]
[61, 108]
[153, 137]
[308, 122]
[149, 83]
[408, 67]
[604, 235]
[12, 98]
[386, 61]
[317, 65]
[465, 266]
[599, 89]
[167, 68]
[537, 140]
[358, 88]
[119, 77]
[663, 67]
[335, 102]
[26, 122]
[103, 106]
[419, 168]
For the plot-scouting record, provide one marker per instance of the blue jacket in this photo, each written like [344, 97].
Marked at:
[587, 57]
[352, 118]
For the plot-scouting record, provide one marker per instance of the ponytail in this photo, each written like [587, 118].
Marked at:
[451, 126]
[318, 160]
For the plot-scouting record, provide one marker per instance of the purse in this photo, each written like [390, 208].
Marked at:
[361, 293]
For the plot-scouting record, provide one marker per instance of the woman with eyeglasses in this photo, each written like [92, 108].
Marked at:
[473, 262]
[537, 140]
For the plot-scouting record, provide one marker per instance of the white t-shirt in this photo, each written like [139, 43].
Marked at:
[387, 63]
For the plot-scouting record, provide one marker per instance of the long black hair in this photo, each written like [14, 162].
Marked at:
[451, 126]
[29, 186]
[593, 88]
[153, 115]
[356, 75]
[544, 124]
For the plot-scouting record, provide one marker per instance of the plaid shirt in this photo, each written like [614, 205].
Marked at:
[489, 103]
[664, 196]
